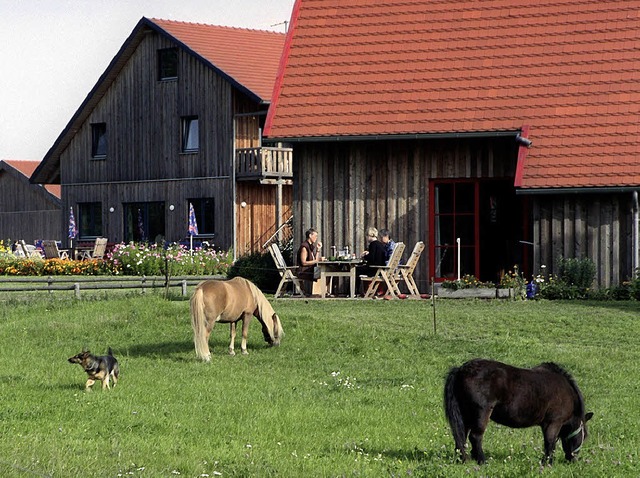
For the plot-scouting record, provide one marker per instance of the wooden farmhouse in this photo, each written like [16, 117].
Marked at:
[175, 119]
[510, 126]
[28, 212]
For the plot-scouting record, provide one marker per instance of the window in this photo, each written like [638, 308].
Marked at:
[190, 134]
[168, 64]
[454, 216]
[89, 220]
[99, 140]
[204, 215]
[144, 222]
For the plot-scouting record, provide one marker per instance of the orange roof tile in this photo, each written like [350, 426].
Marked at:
[27, 167]
[248, 57]
[567, 69]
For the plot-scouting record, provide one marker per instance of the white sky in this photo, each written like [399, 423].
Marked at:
[52, 53]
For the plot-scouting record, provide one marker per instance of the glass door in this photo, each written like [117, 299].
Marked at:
[454, 217]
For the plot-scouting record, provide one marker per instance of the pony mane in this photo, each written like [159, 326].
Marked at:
[554, 367]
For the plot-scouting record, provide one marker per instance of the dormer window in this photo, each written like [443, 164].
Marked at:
[168, 64]
[99, 140]
[190, 134]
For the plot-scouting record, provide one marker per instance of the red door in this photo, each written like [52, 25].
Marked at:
[454, 217]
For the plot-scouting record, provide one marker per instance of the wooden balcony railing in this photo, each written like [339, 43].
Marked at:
[264, 163]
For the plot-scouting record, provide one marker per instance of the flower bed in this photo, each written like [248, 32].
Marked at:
[126, 259]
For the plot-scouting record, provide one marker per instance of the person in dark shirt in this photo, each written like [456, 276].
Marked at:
[389, 244]
[375, 255]
[307, 258]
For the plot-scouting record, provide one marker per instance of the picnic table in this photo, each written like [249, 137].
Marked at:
[338, 268]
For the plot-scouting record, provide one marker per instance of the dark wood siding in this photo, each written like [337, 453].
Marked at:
[144, 161]
[26, 211]
[594, 226]
[342, 188]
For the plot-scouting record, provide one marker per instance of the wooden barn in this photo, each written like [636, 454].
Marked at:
[175, 119]
[28, 212]
[501, 133]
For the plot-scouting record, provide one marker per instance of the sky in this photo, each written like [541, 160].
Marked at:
[52, 53]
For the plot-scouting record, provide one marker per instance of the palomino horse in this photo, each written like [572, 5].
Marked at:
[545, 395]
[229, 301]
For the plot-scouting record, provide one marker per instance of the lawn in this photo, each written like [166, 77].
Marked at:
[355, 389]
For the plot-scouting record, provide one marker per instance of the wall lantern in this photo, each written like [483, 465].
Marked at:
[111, 209]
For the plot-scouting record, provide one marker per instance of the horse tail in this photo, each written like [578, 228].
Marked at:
[453, 411]
[198, 322]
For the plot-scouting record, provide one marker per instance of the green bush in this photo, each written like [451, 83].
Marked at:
[577, 272]
[259, 268]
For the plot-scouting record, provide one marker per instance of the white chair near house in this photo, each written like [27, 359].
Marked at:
[385, 274]
[286, 272]
[99, 248]
[404, 272]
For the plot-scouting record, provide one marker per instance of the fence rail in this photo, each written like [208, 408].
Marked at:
[78, 284]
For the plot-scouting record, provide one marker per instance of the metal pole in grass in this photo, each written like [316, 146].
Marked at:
[433, 304]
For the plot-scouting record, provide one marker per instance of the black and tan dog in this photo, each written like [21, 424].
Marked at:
[103, 368]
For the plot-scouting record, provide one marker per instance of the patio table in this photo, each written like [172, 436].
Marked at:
[331, 269]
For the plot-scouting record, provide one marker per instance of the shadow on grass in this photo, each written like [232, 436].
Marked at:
[174, 351]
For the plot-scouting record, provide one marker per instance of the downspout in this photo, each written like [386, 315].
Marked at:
[636, 233]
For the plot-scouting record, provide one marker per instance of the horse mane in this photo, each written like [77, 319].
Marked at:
[555, 368]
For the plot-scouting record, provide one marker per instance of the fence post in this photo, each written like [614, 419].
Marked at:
[49, 283]
[76, 289]
[184, 287]
[144, 281]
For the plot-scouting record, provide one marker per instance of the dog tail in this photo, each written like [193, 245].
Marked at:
[198, 322]
[109, 352]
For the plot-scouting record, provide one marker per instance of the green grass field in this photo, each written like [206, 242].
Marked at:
[355, 389]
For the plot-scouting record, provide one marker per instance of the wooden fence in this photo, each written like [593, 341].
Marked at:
[94, 283]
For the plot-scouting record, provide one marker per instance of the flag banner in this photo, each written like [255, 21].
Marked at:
[73, 230]
[193, 225]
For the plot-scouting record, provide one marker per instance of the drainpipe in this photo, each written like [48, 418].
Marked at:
[636, 232]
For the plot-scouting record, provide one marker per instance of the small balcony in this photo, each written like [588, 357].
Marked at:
[264, 164]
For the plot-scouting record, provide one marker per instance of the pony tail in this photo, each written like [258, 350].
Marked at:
[454, 414]
[198, 322]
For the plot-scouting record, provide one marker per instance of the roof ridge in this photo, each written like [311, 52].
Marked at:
[227, 27]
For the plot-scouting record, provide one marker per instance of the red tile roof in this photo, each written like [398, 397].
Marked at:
[567, 69]
[248, 57]
[27, 167]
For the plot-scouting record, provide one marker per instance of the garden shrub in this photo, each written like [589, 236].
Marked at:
[259, 268]
[577, 272]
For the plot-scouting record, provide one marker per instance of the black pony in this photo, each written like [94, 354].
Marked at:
[545, 395]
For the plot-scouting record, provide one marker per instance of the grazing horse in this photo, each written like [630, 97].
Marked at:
[545, 395]
[229, 301]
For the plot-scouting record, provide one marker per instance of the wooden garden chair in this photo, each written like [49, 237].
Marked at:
[99, 248]
[404, 273]
[51, 250]
[386, 274]
[286, 272]
[29, 251]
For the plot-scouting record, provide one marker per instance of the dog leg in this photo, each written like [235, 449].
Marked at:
[105, 382]
[89, 384]
[115, 379]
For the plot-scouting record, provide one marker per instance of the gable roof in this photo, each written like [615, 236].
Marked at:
[565, 72]
[23, 169]
[248, 59]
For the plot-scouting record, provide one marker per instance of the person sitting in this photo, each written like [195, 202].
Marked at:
[306, 259]
[389, 244]
[373, 256]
